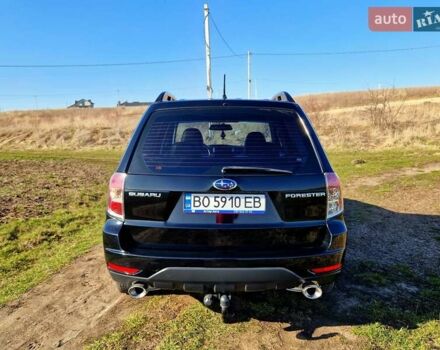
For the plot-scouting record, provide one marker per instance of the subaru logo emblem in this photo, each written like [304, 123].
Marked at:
[224, 184]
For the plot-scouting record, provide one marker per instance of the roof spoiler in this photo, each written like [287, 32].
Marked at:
[165, 96]
[283, 96]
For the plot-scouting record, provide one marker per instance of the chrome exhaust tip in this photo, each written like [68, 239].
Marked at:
[137, 291]
[311, 290]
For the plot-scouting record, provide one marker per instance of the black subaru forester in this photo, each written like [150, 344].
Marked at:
[224, 196]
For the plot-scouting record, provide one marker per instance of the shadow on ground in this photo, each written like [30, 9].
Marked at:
[386, 288]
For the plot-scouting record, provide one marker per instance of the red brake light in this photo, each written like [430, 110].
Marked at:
[115, 206]
[327, 268]
[123, 269]
[335, 203]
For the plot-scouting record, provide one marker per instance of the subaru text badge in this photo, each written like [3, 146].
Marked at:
[224, 184]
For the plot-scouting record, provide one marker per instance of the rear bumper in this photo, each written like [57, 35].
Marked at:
[222, 272]
[222, 280]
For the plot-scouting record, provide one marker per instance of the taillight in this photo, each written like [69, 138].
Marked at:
[115, 206]
[335, 203]
[326, 269]
[123, 269]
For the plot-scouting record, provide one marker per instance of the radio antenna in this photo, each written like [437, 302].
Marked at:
[224, 87]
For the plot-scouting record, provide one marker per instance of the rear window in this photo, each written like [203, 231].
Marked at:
[197, 141]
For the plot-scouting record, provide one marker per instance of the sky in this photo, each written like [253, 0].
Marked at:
[114, 31]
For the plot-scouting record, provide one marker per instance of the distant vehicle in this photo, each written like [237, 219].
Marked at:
[83, 103]
[224, 196]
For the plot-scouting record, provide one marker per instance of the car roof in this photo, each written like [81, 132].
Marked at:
[227, 102]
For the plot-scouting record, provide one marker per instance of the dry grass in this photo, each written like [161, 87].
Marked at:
[413, 123]
[354, 120]
[360, 98]
[376, 119]
[68, 128]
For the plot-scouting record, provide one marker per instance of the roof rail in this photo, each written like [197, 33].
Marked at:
[283, 96]
[165, 96]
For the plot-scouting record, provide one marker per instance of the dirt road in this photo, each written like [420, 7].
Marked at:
[66, 309]
[81, 302]
[74, 306]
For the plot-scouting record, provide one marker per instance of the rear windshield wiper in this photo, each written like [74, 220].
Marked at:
[253, 170]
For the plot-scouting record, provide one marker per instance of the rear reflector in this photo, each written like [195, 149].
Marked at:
[123, 269]
[327, 268]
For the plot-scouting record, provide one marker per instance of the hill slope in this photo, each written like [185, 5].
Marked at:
[361, 119]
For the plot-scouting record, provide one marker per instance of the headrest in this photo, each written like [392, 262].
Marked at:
[192, 135]
[253, 138]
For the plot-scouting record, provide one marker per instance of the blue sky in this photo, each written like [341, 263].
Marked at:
[106, 31]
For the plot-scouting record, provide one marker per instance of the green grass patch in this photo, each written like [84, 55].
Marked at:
[432, 290]
[407, 320]
[197, 327]
[134, 329]
[372, 279]
[377, 162]
[54, 211]
[381, 337]
[159, 326]
[369, 273]
[101, 155]
[426, 180]
[33, 249]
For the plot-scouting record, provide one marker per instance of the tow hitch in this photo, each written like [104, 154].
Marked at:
[224, 302]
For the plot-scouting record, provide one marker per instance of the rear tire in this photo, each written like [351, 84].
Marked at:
[123, 286]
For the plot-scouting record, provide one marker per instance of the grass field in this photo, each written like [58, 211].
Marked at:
[50, 203]
[408, 118]
[54, 168]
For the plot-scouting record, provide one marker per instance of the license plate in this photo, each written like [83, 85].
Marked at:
[213, 203]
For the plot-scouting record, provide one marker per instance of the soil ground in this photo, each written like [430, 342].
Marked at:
[30, 188]
[80, 303]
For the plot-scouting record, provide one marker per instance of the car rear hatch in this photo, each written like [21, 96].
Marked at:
[224, 180]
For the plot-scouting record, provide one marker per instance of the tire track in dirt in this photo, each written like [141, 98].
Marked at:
[389, 175]
[385, 224]
[62, 311]
[81, 303]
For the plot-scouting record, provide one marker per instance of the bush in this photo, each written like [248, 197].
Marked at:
[383, 107]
